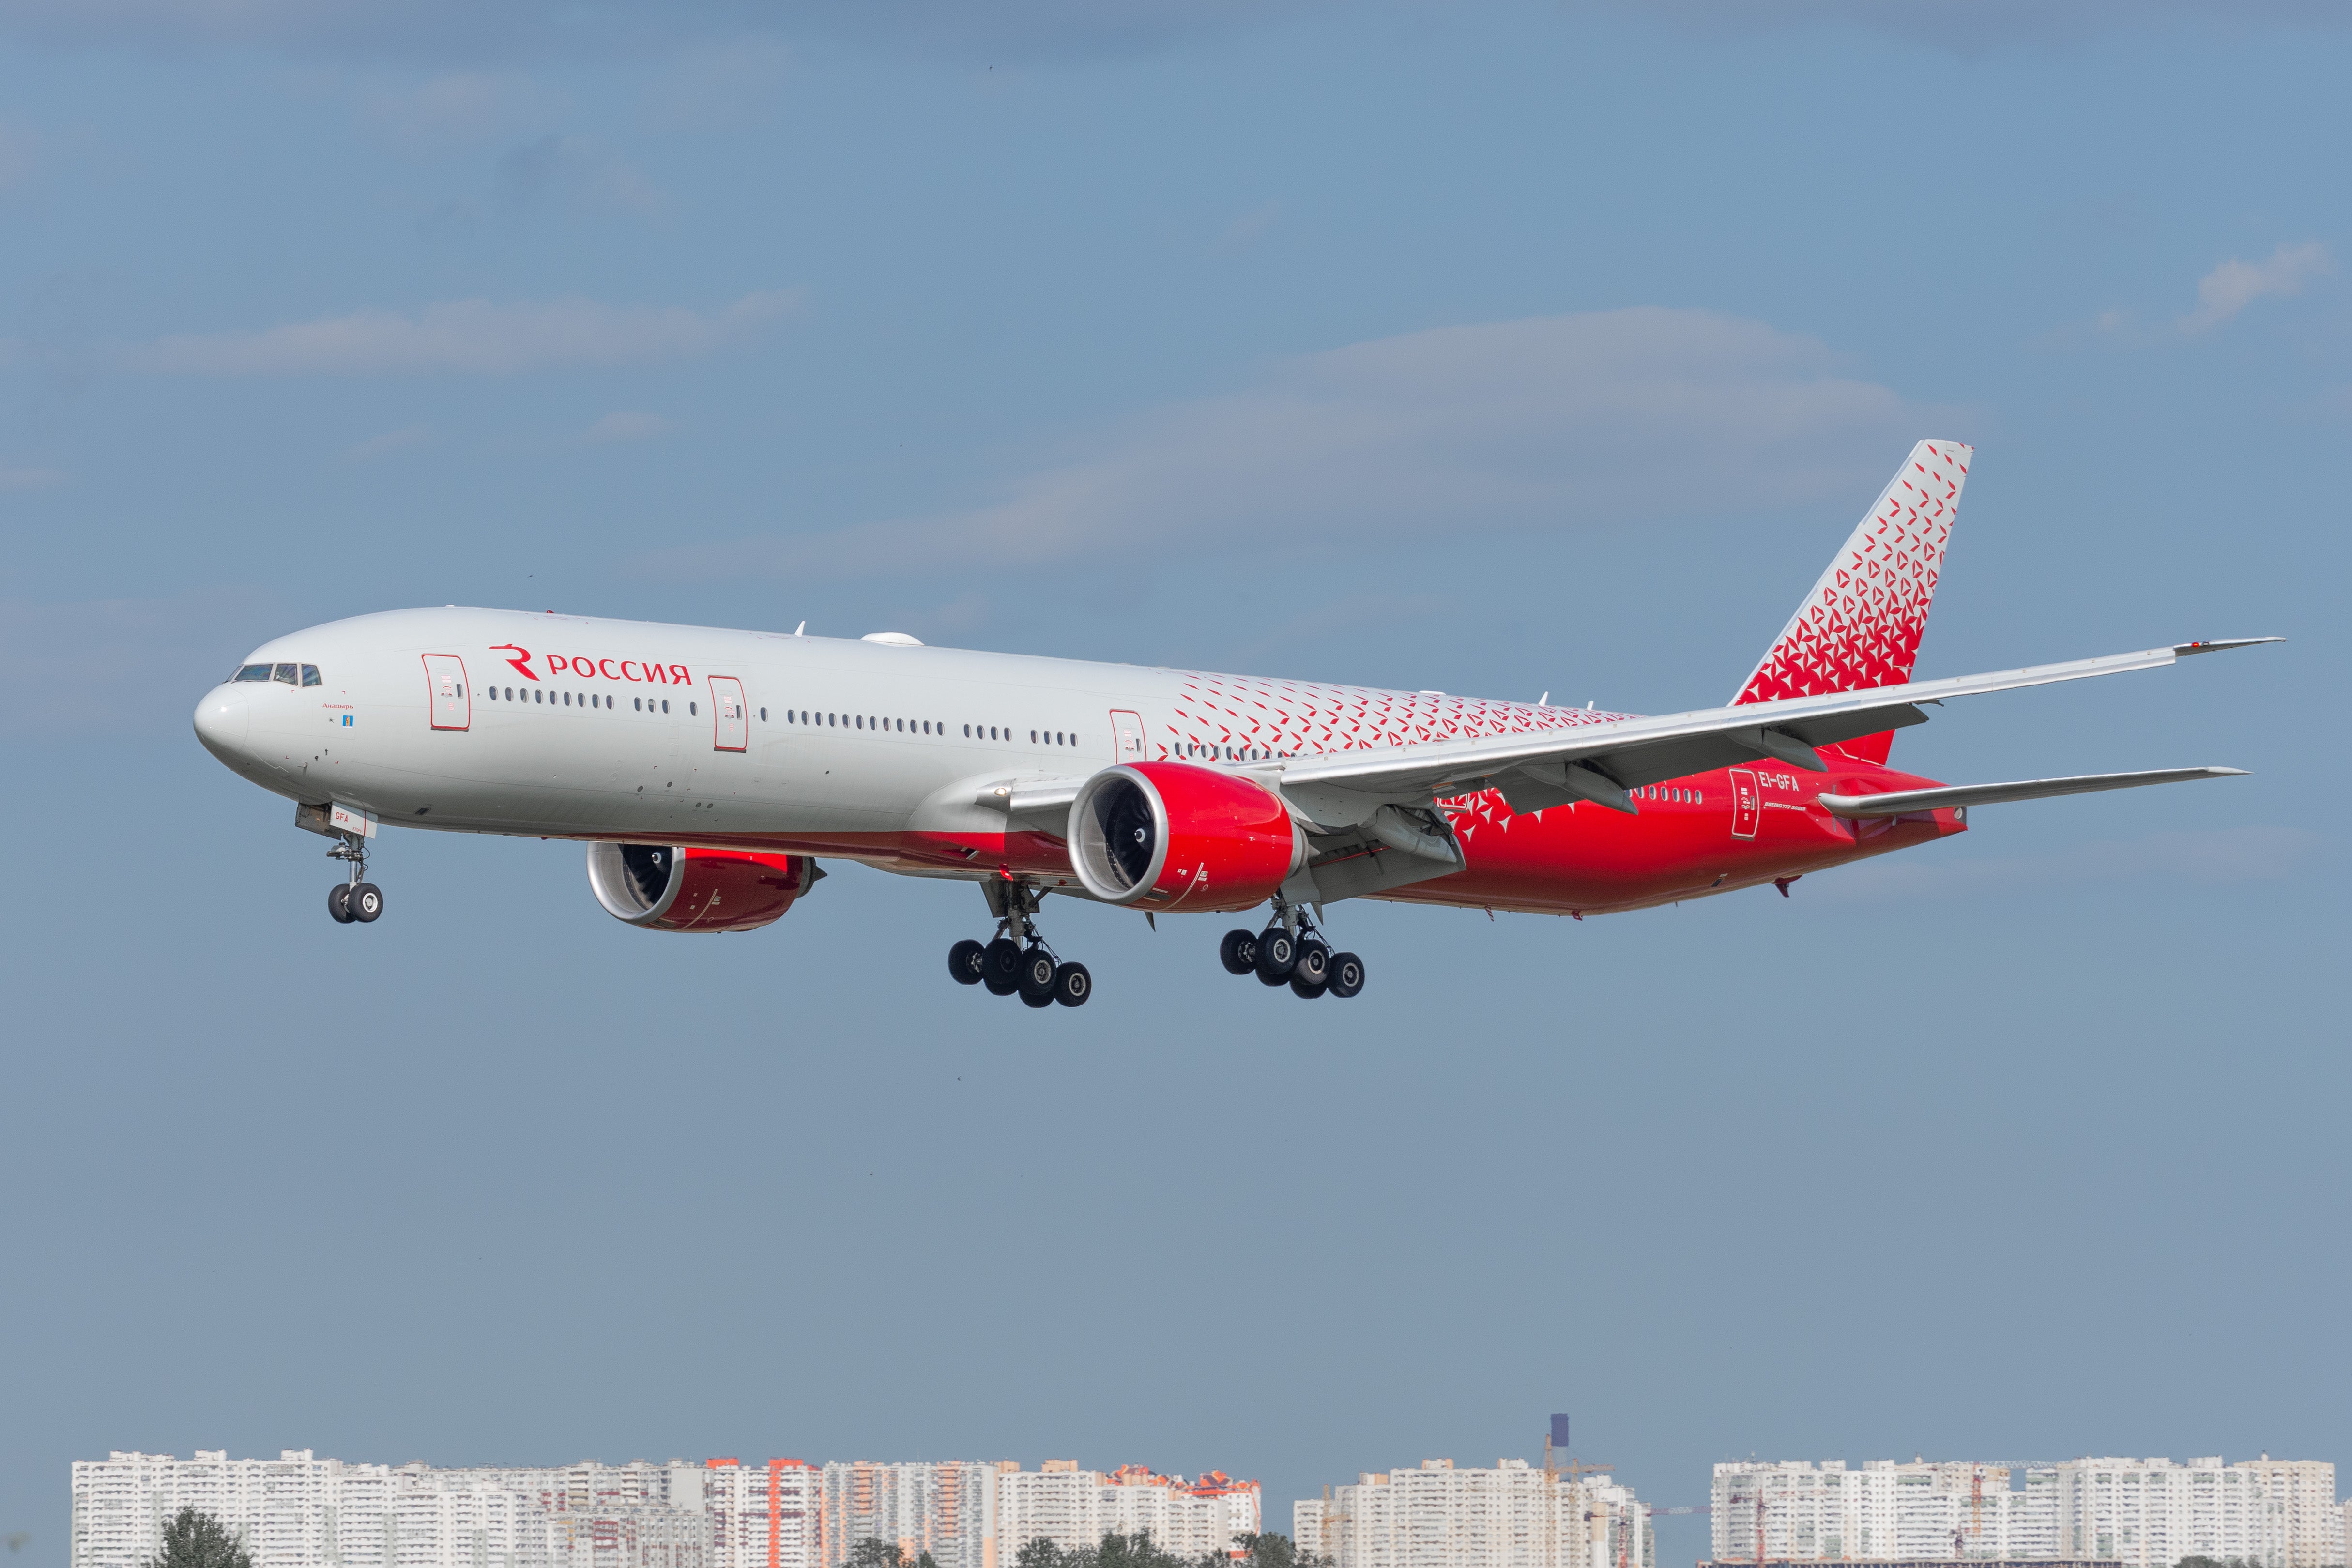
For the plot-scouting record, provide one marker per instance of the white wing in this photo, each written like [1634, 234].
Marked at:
[1601, 762]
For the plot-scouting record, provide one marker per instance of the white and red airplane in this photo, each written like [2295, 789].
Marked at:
[708, 770]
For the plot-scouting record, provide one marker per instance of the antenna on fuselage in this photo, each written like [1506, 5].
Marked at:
[801, 630]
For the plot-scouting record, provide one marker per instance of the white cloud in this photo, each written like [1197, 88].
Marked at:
[619, 427]
[472, 336]
[1604, 419]
[16, 479]
[2234, 285]
[389, 441]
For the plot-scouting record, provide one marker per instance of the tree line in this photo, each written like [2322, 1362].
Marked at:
[194, 1539]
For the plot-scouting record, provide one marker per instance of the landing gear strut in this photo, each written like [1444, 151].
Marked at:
[1018, 961]
[356, 899]
[1291, 952]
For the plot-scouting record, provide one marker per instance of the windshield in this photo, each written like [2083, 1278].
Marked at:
[253, 672]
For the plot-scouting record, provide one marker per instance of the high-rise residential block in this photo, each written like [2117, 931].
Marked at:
[2143, 1513]
[1075, 1508]
[1512, 1516]
[945, 1507]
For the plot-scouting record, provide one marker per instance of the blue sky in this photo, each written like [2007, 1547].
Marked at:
[1501, 350]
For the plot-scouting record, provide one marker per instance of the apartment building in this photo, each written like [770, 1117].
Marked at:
[947, 1509]
[1512, 1516]
[764, 1516]
[299, 1510]
[1075, 1508]
[2144, 1514]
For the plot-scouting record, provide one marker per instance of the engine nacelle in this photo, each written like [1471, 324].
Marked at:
[1170, 835]
[663, 887]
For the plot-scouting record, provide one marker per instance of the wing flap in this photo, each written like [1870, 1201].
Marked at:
[1897, 803]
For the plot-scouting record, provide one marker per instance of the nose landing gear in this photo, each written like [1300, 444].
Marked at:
[357, 900]
[1291, 952]
[1018, 962]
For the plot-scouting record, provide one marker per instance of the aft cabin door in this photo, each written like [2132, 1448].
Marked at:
[733, 732]
[1126, 735]
[444, 681]
[1746, 805]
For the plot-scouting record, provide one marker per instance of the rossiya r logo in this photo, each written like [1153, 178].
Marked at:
[605, 669]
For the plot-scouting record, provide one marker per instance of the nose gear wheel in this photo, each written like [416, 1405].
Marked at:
[355, 901]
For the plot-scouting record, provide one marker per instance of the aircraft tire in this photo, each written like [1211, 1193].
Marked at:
[1277, 955]
[1314, 965]
[1004, 963]
[1346, 974]
[1037, 981]
[1300, 986]
[366, 902]
[1238, 952]
[966, 960]
[339, 903]
[997, 987]
[1072, 984]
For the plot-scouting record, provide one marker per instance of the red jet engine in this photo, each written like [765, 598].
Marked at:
[663, 887]
[1171, 835]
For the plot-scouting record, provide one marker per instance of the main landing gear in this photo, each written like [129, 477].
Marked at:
[357, 900]
[1018, 962]
[1290, 951]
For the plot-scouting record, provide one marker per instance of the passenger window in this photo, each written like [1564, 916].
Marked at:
[764, 715]
[253, 672]
[691, 710]
[310, 675]
[664, 702]
[284, 672]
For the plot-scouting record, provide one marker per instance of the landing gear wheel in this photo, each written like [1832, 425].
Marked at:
[1313, 966]
[965, 961]
[1036, 984]
[1072, 985]
[1277, 955]
[339, 903]
[1300, 986]
[1001, 964]
[997, 987]
[1346, 973]
[1238, 952]
[365, 902]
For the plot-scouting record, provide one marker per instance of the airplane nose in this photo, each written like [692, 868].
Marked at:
[221, 723]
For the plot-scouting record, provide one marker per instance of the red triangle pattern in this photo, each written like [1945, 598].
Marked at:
[1860, 627]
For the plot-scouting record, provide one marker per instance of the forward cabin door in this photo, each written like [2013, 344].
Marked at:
[444, 682]
[732, 724]
[1746, 805]
[1126, 735]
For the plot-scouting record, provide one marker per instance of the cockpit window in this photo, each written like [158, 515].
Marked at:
[253, 672]
[283, 673]
[310, 674]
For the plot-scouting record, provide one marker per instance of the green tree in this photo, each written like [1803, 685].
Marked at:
[1039, 1553]
[197, 1540]
[1269, 1549]
[876, 1553]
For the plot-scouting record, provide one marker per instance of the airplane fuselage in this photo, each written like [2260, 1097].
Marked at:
[491, 721]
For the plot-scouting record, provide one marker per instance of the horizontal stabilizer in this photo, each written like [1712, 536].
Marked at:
[1901, 801]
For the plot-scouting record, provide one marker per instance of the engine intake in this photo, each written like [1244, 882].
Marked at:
[1169, 834]
[665, 887]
